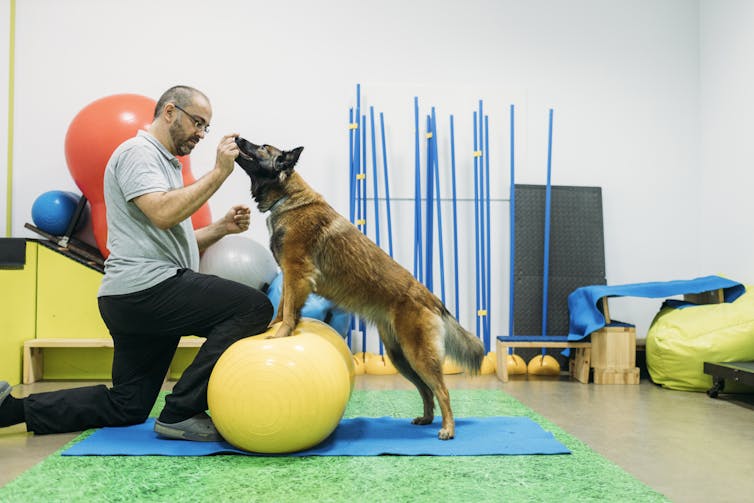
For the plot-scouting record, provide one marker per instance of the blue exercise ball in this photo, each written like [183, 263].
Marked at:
[53, 211]
[316, 307]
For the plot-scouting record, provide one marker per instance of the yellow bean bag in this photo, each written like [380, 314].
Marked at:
[680, 340]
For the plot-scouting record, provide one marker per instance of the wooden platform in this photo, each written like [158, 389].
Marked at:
[579, 367]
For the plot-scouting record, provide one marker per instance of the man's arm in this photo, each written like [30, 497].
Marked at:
[167, 209]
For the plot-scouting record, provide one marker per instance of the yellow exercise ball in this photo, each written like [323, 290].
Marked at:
[360, 363]
[449, 367]
[330, 335]
[544, 365]
[379, 365]
[279, 395]
[516, 365]
[489, 364]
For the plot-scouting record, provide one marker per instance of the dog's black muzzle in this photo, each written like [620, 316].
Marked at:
[247, 158]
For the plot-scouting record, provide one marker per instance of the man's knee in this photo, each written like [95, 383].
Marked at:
[259, 314]
[133, 415]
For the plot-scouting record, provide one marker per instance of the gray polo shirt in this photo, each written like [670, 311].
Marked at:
[141, 254]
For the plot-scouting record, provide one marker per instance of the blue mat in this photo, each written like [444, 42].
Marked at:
[585, 316]
[360, 436]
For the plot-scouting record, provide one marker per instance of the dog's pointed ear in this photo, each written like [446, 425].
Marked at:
[289, 159]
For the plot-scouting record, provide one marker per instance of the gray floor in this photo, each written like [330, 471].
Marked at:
[685, 445]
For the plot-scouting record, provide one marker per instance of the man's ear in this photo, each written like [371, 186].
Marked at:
[289, 159]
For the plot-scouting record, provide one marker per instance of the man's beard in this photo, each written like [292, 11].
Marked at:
[183, 145]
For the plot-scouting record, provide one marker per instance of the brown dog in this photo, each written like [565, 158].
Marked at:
[320, 251]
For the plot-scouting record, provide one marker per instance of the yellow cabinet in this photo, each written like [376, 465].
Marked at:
[18, 290]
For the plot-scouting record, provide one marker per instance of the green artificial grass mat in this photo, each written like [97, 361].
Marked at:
[579, 477]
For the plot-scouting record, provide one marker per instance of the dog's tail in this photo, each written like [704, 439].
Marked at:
[461, 346]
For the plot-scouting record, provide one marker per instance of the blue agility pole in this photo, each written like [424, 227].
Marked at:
[375, 183]
[483, 276]
[477, 260]
[376, 189]
[512, 225]
[356, 197]
[387, 187]
[455, 212]
[351, 192]
[363, 206]
[488, 268]
[417, 197]
[438, 199]
[351, 172]
[355, 205]
[356, 151]
[355, 142]
[548, 202]
[429, 243]
[363, 174]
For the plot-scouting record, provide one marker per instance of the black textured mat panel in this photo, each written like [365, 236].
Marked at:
[12, 253]
[577, 253]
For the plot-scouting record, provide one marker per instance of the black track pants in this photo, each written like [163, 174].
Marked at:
[146, 327]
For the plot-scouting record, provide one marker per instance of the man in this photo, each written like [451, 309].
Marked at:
[151, 294]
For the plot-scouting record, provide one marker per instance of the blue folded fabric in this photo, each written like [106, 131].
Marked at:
[360, 436]
[585, 316]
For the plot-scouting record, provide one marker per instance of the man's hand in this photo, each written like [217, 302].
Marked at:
[237, 219]
[227, 151]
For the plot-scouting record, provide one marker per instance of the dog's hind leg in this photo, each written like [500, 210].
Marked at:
[421, 350]
[402, 365]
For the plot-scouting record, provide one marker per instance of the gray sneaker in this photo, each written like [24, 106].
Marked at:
[5, 389]
[199, 428]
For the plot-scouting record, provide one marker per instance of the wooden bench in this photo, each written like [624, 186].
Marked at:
[578, 368]
[33, 359]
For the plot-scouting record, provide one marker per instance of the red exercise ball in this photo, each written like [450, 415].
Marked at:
[93, 135]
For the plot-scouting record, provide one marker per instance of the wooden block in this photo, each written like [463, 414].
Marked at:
[605, 310]
[709, 297]
[501, 369]
[613, 376]
[614, 348]
[580, 363]
[33, 365]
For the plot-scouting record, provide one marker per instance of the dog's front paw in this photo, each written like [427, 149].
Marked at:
[282, 331]
[445, 434]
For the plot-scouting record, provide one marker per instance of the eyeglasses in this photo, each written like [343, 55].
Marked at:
[199, 123]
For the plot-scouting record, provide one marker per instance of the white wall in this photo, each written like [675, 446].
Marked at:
[5, 20]
[623, 78]
[727, 153]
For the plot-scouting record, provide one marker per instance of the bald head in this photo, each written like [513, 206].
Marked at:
[182, 96]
